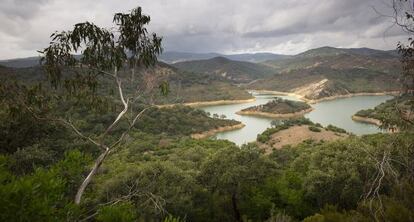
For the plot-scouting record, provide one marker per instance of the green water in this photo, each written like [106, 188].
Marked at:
[336, 112]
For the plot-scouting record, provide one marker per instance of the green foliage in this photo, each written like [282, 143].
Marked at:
[179, 121]
[234, 71]
[101, 50]
[347, 71]
[279, 217]
[393, 113]
[44, 195]
[315, 129]
[280, 106]
[27, 159]
[122, 212]
[282, 125]
[335, 129]
[172, 219]
[158, 171]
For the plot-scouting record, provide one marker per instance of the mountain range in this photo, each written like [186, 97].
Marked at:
[233, 71]
[327, 72]
[314, 74]
[174, 57]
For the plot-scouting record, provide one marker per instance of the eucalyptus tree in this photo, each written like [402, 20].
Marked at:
[76, 58]
[404, 17]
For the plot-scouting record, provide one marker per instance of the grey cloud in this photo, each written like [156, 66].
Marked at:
[280, 26]
[352, 16]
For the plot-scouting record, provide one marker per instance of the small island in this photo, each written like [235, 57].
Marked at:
[278, 108]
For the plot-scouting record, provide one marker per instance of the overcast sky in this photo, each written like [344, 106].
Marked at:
[225, 26]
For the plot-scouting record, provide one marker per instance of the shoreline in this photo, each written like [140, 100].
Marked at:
[274, 115]
[209, 103]
[300, 97]
[366, 120]
[212, 132]
[279, 93]
[392, 93]
[314, 101]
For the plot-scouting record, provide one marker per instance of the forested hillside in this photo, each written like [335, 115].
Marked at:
[84, 138]
[185, 87]
[233, 71]
[174, 57]
[327, 72]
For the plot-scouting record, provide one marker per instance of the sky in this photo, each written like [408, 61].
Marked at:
[224, 26]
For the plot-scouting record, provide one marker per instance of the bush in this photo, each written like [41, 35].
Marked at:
[26, 160]
[280, 106]
[45, 195]
[122, 212]
[335, 129]
[314, 129]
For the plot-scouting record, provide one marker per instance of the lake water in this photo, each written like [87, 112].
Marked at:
[336, 112]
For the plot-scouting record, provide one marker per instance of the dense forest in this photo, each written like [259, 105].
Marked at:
[86, 141]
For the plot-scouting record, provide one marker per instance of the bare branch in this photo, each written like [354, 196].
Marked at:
[65, 123]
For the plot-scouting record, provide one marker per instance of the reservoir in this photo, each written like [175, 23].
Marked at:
[336, 112]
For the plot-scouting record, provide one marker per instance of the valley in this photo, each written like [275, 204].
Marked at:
[207, 111]
[326, 113]
[221, 118]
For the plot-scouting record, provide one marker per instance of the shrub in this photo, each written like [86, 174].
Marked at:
[119, 212]
[335, 129]
[314, 129]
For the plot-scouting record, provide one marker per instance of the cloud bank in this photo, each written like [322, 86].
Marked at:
[231, 26]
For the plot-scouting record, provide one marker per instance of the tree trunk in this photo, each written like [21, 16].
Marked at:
[235, 207]
[88, 179]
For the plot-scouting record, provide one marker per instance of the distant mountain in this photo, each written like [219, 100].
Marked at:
[174, 57]
[167, 57]
[338, 58]
[331, 51]
[185, 87]
[256, 57]
[325, 72]
[315, 74]
[21, 62]
[234, 71]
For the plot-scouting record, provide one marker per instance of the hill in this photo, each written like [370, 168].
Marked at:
[295, 131]
[331, 51]
[174, 57]
[328, 72]
[185, 87]
[234, 71]
[20, 62]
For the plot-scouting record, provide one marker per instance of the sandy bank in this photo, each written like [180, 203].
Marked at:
[210, 103]
[313, 101]
[366, 120]
[274, 115]
[218, 130]
[278, 93]
[393, 93]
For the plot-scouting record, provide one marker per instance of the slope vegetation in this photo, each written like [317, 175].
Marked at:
[328, 72]
[233, 71]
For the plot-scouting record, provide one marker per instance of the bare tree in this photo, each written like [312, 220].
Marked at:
[386, 159]
[111, 53]
[402, 16]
